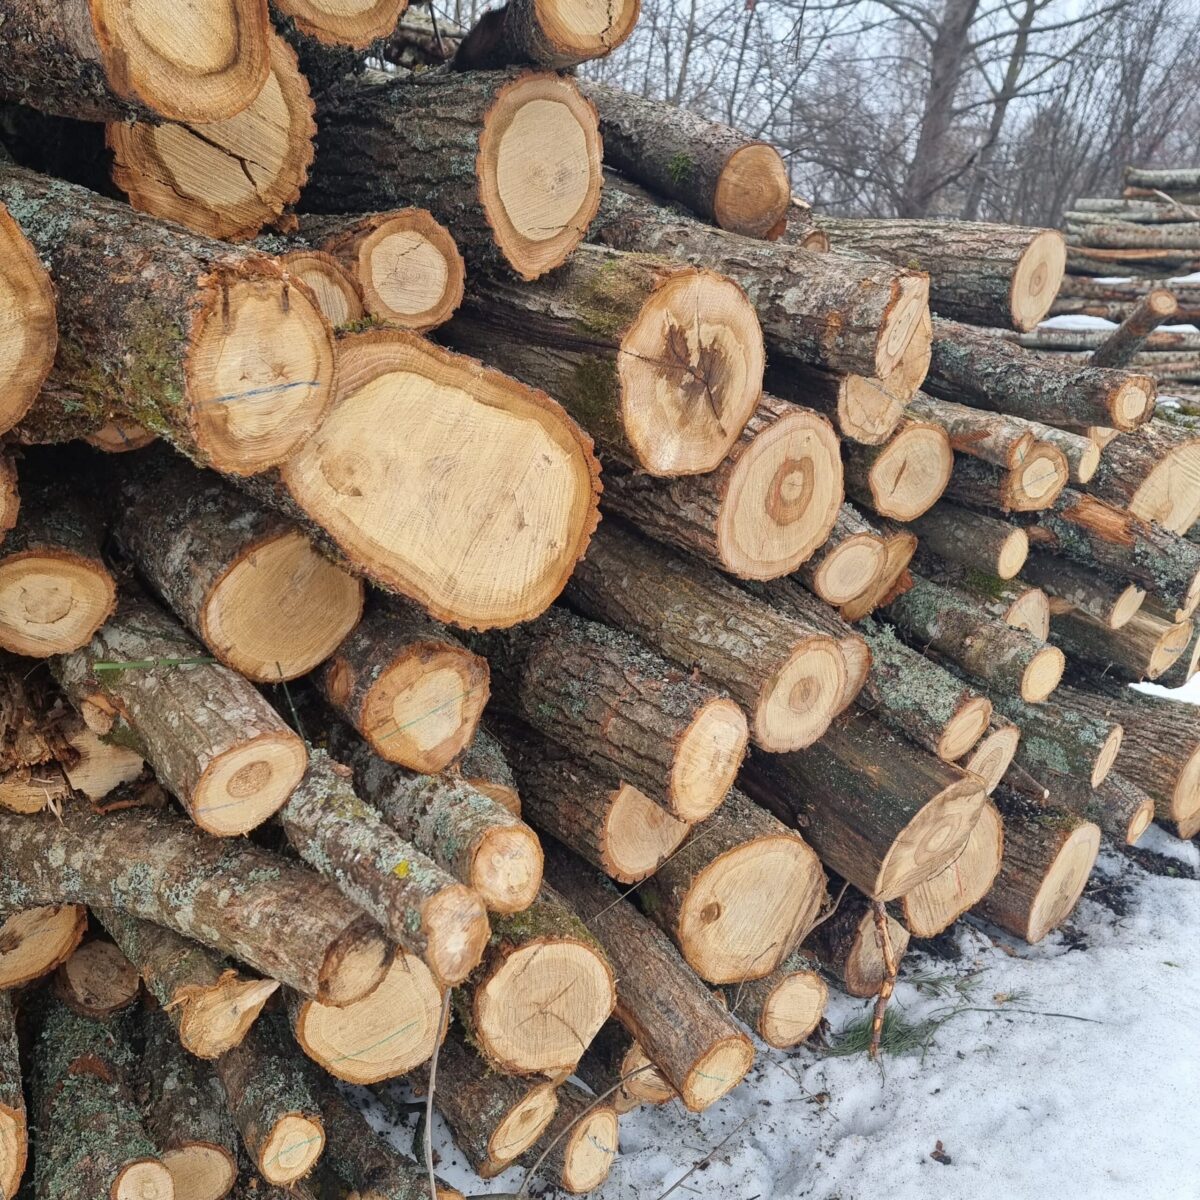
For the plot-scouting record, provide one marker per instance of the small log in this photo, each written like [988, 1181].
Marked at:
[106, 61]
[1154, 474]
[336, 24]
[1152, 310]
[582, 1158]
[225, 179]
[10, 496]
[974, 539]
[28, 313]
[1083, 454]
[97, 981]
[850, 561]
[100, 768]
[242, 578]
[1074, 589]
[622, 710]
[210, 1005]
[271, 1100]
[1010, 660]
[1048, 855]
[542, 992]
[617, 1065]
[1185, 666]
[1122, 809]
[878, 810]
[997, 438]
[862, 409]
[14, 1136]
[491, 548]
[383, 1035]
[1144, 647]
[848, 945]
[408, 686]
[336, 291]
[898, 549]
[121, 436]
[213, 741]
[738, 895]
[1012, 601]
[903, 478]
[406, 263]
[783, 1008]
[509, 160]
[485, 767]
[34, 941]
[786, 675]
[1164, 179]
[416, 901]
[286, 923]
[985, 274]
[973, 367]
[185, 1114]
[1032, 486]
[1182, 236]
[557, 35]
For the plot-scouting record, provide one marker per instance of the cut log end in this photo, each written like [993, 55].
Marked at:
[290, 1150]
[36, 940]
[1132, 402]
[145, 1179]
[1139, 821]
[356, 964]
[1126, 606]
[335, 290]
[868, 410]
[590, 1150]
[1043, 674]
[717, 1072]
[52, 601]
[639, 835]
[1030, 611]
[241, 788]
[964, 729]
[456, 928]
[1037, 278]
[1012, 553]
[1087, 464]
[753, 191]
[993, 755]
[850, 569]
[215, 1019]
[577, 31]
[10, 494]
[689, 384]
[27, 316]
[334, 22]
[120, 436]
[97, 981]
[14, 1142]
[280, 609]
[1038, 481]
[539, 171]
[707, 760]
[200, 1171]
[1063, 882]
[506, 868]
[793, 1010]
[802, 697]
[520, 1127]
[1171, 646]
[1185, 799]
[865, 970]
[911, 472]
[905, 336]
[1107, 756]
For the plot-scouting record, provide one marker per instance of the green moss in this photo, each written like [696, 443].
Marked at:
[593, 397]
[680, 167]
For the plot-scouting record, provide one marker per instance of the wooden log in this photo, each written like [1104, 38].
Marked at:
[997, 438]
[35, 940]
[108, 62]
[994, 752]
[849, 562]
[1122, 809]
[903, 478]
[848, 945]
[210, 1005]
[862, 409]
[225, 179]
[412, 689]
[583, 1137]
[336, 291]
[1088, 340]
[212, 348]
[738, 895]
[10, 496]
[622, 710]
[1011, 661]
[1185, 666]
[242, 578]
[764, 510]
[682, 1028]
[783, 1008]
[1145, 647]
[28, 313]
[543, 990]
[1154, 474]
[973, 539]
[406, 263]
[509, 160]
[551, 33]
[490, 548]
[121, 436]
[615, 1064]
[213, 741]
[185, 1114]
[1166, 179]
[1105, 208]
[1075, 589]
[484, 765]
[286, 923]
[1183, 237]
[1153, 263]
[102, 771]
[97, 981]
[465, 833]
[272, 1102]
[414, 899]
[1152, 310]
[974, 368]
[899, 547]
[1049, 853]
[1014, 602]
[787, 676]
[1032, 486]
[333, 23]
[616, 338]
[14, 1137]
[1081, 452]
[985, 274]
[831, 311]
[383, 1035]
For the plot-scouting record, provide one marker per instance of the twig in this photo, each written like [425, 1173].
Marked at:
[433, 1062]
[707, 1158]
[889, 984]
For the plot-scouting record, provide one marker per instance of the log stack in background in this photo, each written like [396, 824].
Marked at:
[339, 697]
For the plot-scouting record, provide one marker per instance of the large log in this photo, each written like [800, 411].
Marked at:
[661, 363]
[213, 348]
[903, 478]
[490, 548]
[783, 1008]
[985, 274]
[976, 540]
[1154, 474]
[547, 33]
[14, 1138]
[509, 160]
[27, 311]
[278, 918]
[101, 60]
[35, 940]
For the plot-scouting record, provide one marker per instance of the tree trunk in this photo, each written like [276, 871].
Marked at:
[1158, 264]
[210, 1005]
[616, 1064]
[1154, 474]
[1075, 589]
[491, 548]
[582, 1158]
[1182, 236]
[408, 686]
[1118, 349]
[898, 548]
[975, 368]
[738, 895]
[787, 676]
[903, 478]
[413, 898]
[485, 767]
[33, 941]
[14, 1138]
[996, 275]
[1031, 487]
[440, 141]
[242, 578]
[1143, 648]
[994, 752]
[106, 61]
[973, 539]
[847, 944]
[1081, 452]
[622, 710]
[213, 741]
[783, 1008]
[849, 563]
[828, 310]
[661, 363]
[279, 919]
[28, 311]
[556, 35]
[97, 981]
[996, 438]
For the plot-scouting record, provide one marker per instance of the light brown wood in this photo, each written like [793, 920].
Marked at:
[905, 477]
[97, 981]
[584, 1155]
[34, 941]
[783, 1008]
[850, 561]
[28, 332]
[334, 288]
[848, 944]
[549, 33]
[336, 22]
[120, 436]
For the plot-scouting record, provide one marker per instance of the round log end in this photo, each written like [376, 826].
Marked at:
[27, 316]
[850, 569]
[690, 368]
[753, 191]
[868, 410]
[1043, 674]
[1038, 481]
[1030, 611]
[911, 471]
[217, 1018]
[1063, 882]
[1169, 495]
[1126, 606]
[355, 965]
[1139, 821]
[36, 940]
[539, 170]
[383, 1035]
[1013, 552]
[97, 981]
[717, 1072]
[335, 290]
[290, 1150]
[248, 783]
[993, 755]
[52, 601]
[226, 179]
[1087, 463]
[280, 609]
[1132, 402]
[707, 760]
[522, 1125]
[145, 1179]
[964, 729]
[793, 1009]
[456, 930]
[200, 1171]
[639, 836]
[800, 699]
[1171, 647]
[120, 436]
[506, 868]
[590, 1150]
[337, 23]
[581, 30]
[782, 497]
[905, 336]
[14, 1147]
[865, 968]
[1037, 278]
[1107, 755]
[1185, 799]
[649, 1085]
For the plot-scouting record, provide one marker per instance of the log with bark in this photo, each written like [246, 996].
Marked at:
[898, 549]
[35, 940]
[1153, 309]
[1182, 236]
[580, 1143]
[1072, 588]
[662, 363]
[977, 540]
[97, 981]
[1122, 809]
[862, 409]
[485, 766]
[1185, 666]
[336, 291]
[35, 728]
[1145, 647]
[1083, 453]
[1014, 602]
[28, 313]
[617, 1065]
[547, 33]
[1164, 179]
[1032, 486]
[849, 563]
[14, 1138]
[1154, 474]
[848, 945]
[508, 160]
[903, 478]
[783, 1008]
[995, 437]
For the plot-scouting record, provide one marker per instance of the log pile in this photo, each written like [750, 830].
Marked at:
[340, 739]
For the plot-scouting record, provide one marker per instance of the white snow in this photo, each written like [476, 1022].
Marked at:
[1076, 321]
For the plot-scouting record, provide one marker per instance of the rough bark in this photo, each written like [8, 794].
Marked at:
[332, 24]
[14, 1139]
[1122, 809]
[785, 1007]
[997, 438]
[1143, 648]
[485, 766]
[1073, 588]
[1032, 486]
[903, 478]
[1014, 602]
[1118, 349]
[557, 35]
[1119, 235]
[847, 944]
[1081, 452]
[976, 540]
